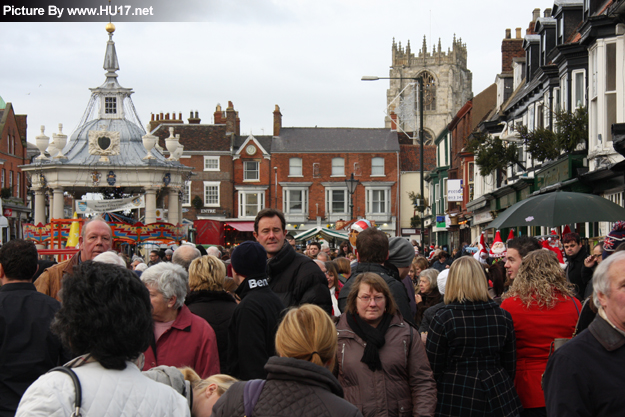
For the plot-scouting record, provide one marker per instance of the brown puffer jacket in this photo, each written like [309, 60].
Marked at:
[404, 387]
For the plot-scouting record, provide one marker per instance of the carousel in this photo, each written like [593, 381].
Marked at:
[109, 153]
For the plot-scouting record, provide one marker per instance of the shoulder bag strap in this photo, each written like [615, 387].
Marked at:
[251, 394]
[77, 388]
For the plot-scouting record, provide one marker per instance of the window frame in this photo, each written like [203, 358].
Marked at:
[336, 166]
[286, 200]
[242, 202]
[212, 184]
[246, 171]
[211, 158]
[186, 192]
[293, 166]
[373, 167]
[110, 106]
[574, 92]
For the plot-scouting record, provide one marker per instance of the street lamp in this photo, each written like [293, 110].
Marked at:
[419, 80]
[351, 188]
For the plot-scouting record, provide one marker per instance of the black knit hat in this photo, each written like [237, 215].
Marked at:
[249, 259]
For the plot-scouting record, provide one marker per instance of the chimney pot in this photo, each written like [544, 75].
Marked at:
[535, 14]
[167, 116]
[547, 12]
[179, 115]
[518, 33]
[197, 116]
[162, 118]
[507, 33]
[152, 116]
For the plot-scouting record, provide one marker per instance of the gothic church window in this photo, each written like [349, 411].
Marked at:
[429, 91]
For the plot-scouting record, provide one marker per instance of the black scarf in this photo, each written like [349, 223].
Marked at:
[373, 337]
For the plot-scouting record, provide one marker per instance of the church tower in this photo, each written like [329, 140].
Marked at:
[447, 87]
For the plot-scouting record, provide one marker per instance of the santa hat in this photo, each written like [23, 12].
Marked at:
[545, 244]
[510, 235]
[482, 246]
[553, 233]
[497, 249]
[566, 230]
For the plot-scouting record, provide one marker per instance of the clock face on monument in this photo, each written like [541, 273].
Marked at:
[251, 149]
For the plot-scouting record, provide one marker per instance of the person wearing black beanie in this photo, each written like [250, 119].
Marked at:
[252, 330]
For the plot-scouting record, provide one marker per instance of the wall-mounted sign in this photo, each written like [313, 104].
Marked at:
[454, 190]
[7, 212]
[208, 211]
[408, 232]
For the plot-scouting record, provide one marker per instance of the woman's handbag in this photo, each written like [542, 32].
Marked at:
[560, 341]
[76, 381]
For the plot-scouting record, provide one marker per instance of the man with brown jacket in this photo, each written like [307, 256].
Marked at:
[96, 238]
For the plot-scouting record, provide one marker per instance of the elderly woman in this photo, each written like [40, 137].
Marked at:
[105, 318]
[300, 377]
[180, 337]
[209, 300]
[428, 294]
[471, 347]
[543, 307]
[382, 365]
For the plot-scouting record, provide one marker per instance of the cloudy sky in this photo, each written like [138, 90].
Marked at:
[306, 56]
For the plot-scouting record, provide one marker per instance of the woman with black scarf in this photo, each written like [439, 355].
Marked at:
[381, 362]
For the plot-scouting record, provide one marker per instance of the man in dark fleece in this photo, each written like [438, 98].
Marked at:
[294, 277]
[252, 330]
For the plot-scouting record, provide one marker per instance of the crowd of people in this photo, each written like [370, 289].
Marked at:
[377, 327]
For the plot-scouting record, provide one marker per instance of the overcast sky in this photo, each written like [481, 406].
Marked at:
[306, 56]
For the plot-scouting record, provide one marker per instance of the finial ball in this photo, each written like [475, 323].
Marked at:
[110, 28]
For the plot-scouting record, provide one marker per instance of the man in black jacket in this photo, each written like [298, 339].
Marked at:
[575, 255]
[29, 349]
[371, 252]
[252, 329]
[294, 277]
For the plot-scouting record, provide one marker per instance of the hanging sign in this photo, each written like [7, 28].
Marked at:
[101, 206]
[454, 190]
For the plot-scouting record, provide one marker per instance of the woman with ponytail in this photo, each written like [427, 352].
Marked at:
[382, 364]
[299, 380]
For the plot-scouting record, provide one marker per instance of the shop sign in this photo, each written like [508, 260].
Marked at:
[408, 232]
[7, 212]
[208, 211]
[479, 218]
[454, 190]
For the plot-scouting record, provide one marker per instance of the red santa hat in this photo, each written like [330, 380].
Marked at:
[482, 245]
[566, 230]
[510, 235]
[498, 248]
[558, 252]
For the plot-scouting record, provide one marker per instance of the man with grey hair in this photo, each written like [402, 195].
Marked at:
[582, 377]
[213, 251]
[323, 257]
[184, 255]
[96, 238]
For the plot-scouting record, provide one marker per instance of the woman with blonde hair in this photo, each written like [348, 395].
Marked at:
[471, 347]
[543, 307]
[382, 364]
[209, 300]
[299, 378]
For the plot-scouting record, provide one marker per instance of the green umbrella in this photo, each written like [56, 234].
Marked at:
[558, 208]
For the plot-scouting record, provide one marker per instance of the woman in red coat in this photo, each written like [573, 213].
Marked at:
[543, 307]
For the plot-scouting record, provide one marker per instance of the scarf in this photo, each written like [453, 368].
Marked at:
[372, 336]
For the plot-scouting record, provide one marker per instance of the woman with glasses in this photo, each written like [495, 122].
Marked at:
[382, 365]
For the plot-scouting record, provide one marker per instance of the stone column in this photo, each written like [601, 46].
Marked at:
[173, 206]
[150, 205]
[40, 206]
[58, 204]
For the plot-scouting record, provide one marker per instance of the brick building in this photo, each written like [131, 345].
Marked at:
[313, 164]
[13, 183]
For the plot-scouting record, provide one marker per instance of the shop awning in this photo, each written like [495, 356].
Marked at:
[242, 226]
[326, 233]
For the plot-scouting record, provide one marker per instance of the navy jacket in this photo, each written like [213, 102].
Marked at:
[28, 348]
[472, 352]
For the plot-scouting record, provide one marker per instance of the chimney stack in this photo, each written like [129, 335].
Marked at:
[510, 49]
[231, 119]
[547, 12]
[194, 120]
[535, 14]
[277, 121]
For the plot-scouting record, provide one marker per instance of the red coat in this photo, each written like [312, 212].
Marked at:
[189, 342]
[535, 329]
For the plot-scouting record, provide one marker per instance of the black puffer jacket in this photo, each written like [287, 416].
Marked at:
[398, 290]
[574, 272]
[293, 387]
[296, 279]
[216, 307]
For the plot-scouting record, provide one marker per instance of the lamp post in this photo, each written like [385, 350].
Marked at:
[419, 80]
[351, 188]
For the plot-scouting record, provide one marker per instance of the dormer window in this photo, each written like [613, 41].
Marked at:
[110, 105]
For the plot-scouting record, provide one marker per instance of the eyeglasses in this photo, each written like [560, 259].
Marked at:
[596, 256]
[367, 298]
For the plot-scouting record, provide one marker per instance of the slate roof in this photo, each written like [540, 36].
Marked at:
[196, 137]
[334, 139]
[409, 158]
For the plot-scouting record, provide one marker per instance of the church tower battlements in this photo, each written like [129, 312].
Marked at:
[447, 85]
